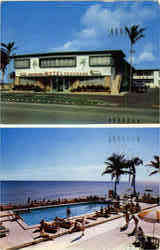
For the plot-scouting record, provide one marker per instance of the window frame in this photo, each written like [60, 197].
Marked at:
[56, 58]
[22, 59]
[100, 65]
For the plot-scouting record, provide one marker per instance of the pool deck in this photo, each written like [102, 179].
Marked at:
[20, 235]
[106, 236]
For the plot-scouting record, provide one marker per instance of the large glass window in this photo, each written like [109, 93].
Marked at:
[22, 63]
[57, 62]
[100, 60]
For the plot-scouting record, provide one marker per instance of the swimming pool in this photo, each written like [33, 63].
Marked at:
[49, 214]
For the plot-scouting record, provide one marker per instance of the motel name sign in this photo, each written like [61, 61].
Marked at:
[57, 73]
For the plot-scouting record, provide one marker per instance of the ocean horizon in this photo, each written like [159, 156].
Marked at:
[18, 191]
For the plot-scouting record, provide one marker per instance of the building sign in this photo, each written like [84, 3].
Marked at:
[95, 72]
[24, 74]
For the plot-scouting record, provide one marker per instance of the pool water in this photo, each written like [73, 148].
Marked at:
[49, 214]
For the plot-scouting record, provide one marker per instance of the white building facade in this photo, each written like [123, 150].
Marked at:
[150, 77]
[58, 71]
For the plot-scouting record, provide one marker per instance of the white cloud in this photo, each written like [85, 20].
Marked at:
[146, 55]
[67, 45]
[97, 20]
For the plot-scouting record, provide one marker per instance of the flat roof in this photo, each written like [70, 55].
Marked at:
[147, 69]
[89, 52]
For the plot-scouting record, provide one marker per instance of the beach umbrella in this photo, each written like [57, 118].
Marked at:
[151, 216]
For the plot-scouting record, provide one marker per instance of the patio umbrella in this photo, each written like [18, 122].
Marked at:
[151, 216]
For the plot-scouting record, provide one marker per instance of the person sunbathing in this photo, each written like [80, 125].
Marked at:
[83, 226]
[50, 227]
[75, 227]
[99, 214]
[44, 234]
[59, 219]
[63, 223]
[92, 217]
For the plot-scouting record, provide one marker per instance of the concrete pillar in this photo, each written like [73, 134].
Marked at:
[17, 80]
[108, 82]
[64, 86]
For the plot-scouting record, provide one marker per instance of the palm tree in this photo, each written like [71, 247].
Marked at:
[134, 33]
[132, 164]
[155, 164]
[6, 52]
[9, 47]
[115, 165]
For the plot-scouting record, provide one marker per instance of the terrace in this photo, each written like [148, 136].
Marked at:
[21, 235]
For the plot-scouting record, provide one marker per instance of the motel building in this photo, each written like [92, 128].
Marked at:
[149, 77]
[74, 71]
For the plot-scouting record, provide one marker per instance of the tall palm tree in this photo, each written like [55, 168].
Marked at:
[134, 33]
[155, 164]
[116, 166]
[132, 164]
[6, 52]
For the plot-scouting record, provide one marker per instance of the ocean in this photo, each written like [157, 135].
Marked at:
[19, 191]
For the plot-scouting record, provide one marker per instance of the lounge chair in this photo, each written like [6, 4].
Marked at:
[49, 227]
[3, 231]
[99, 214]
[3, 234]
[63, 223]
[77, 226]
[92, 217]
[106, 214]
[45, 235]
[81, 220]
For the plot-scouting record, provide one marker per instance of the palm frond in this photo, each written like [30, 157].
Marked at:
[4, 45]
[157, 158]
[154, 172]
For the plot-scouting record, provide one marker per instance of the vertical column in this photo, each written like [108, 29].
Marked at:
[64, 86]
[51, 87]
[17, 80]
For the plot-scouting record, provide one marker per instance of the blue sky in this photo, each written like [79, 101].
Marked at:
[58, 26]
[73, 153]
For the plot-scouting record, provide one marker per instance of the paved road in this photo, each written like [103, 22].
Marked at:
[25, 113]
